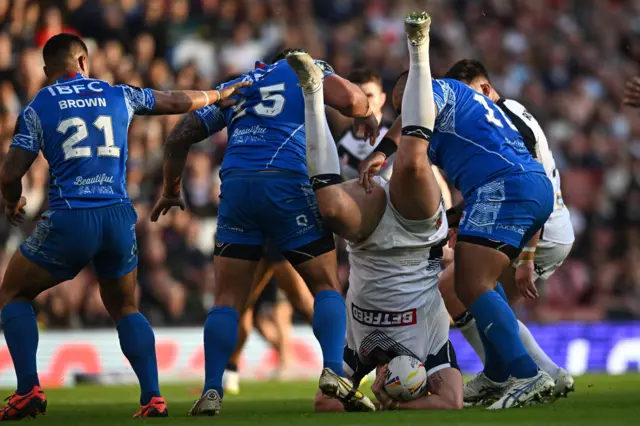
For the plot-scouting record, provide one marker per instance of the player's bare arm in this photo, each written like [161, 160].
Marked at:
[444, 392]
[15, 166]
[348, 99]
[182, 101]
[189, 130]
[632, 93]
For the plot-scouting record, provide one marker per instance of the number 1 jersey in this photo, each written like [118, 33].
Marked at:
[265, 128]
[474, 141]
[80, 125]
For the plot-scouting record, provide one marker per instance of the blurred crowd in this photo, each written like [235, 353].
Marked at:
[566, 60]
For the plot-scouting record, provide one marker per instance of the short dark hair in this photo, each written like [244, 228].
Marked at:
[61, 48]
[365, 75]
[280, 56]
[467, 70]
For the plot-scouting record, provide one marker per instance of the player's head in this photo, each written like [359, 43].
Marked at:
[398, 91]
[474, 74]
[371, 84]
[65, 53]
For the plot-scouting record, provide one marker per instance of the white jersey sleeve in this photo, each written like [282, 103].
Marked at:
[558, 228]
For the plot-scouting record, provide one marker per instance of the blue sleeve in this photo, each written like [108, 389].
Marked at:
[28, 131]
[212, 118]
[325, 67]
[139, 101]
[439, 94]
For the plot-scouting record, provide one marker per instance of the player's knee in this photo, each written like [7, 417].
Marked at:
[411, 166]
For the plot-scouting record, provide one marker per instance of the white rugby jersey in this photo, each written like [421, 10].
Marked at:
[353, 149]
[558, 228]
[394, 267]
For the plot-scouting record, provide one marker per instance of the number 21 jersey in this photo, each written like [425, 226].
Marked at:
[474, 141]
[80, 124]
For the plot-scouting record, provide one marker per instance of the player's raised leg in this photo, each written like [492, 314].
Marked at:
[414, 190]
[335, 205]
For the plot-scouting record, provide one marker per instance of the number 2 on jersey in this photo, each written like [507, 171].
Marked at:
[491, 115]
[103, 123]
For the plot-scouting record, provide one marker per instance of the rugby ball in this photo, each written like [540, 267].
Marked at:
[406, 378]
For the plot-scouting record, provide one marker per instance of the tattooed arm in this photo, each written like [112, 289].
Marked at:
[189, 130]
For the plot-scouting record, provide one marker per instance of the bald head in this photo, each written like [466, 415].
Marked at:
[65, 53]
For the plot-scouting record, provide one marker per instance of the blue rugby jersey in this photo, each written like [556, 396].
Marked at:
[80, 124]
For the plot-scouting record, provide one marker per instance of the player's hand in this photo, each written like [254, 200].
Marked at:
[368, 126]
[15, 214]
[632, 93]
[369, 168]
[383, 397]
[229, 91]
[524, 280]
[165, 204]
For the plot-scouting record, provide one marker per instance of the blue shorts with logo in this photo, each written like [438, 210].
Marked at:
[509, 210]
[280, 207]
[65, 241]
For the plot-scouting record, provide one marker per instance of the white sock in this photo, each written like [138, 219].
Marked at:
[417, 102]
[536, 352]
[322, 153]
[470, 333]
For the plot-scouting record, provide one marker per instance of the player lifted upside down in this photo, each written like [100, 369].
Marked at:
[507, 199]
[80, 124]
[395, 234]
[535, 263]
[265, 194]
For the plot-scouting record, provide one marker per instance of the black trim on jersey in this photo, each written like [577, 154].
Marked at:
[16, 129]
[352, 160]
[509, 250]
[239, 251]
[446, 355]
[528, 137]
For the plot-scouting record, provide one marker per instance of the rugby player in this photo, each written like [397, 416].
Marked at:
[265, 194]
[395, 233]
[80, 124]
[535, 262]
[508, 198]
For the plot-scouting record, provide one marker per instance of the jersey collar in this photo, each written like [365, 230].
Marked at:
[70, 77]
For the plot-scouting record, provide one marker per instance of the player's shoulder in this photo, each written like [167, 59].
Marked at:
[520, 110]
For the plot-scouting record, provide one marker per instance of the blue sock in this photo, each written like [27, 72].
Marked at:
[501, 292]
[220, 340]
[138, 344]
[492, 363]
[497, 322]
[330, 328]
[21, 334]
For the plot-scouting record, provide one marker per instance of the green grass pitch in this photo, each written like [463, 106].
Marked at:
[598, 400]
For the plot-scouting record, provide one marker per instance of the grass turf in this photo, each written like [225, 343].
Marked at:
[608, 400]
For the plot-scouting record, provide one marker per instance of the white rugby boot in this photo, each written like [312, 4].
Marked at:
[309, 74]
[231, 382]
[481, 390]
[522, 392]
[417, 27]
[343, 390]
[209, 404]
[564, 384]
